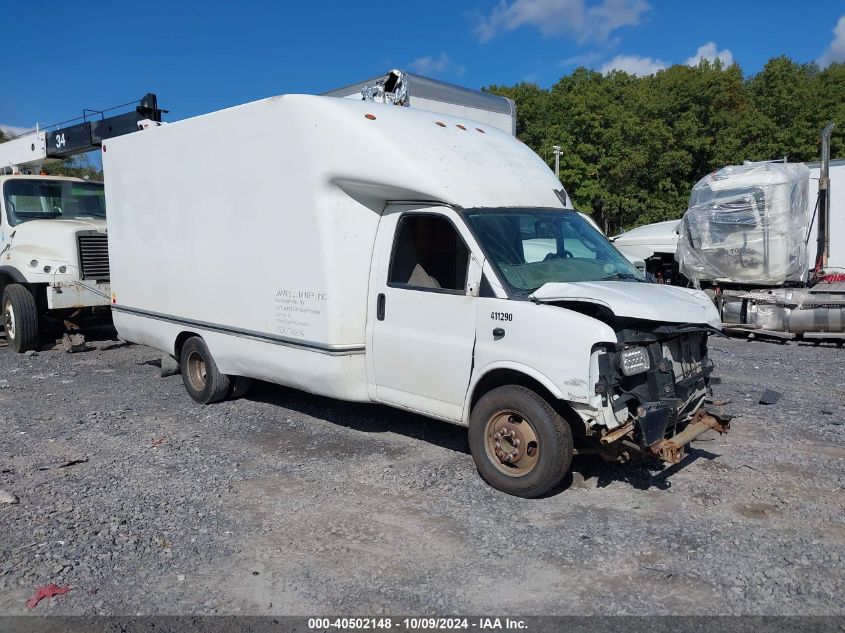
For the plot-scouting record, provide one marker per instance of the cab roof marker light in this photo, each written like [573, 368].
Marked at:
[371, 117]
[478, 129]
[460, 127]
[440, 123]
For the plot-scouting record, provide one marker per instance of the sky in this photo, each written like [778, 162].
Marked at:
[61, 56]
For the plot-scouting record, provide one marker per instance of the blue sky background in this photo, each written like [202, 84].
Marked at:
[60, 57]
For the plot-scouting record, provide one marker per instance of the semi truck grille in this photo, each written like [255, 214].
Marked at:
[94, 256]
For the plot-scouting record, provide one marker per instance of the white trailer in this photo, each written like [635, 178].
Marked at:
[53, 242]
[386, 254]
[654, 245]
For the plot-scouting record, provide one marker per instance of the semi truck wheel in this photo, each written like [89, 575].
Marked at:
[203, 381]
[519, 442]
[20, 318]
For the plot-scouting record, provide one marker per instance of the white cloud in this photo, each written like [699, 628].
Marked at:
[634, 65]
[642, 66]
[836, 51]
[429, 65]
[14, 130]
[711, 53]
[586, 21]
[582, 59]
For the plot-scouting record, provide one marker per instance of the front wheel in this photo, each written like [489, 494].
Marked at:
[520, 444]
[20, 318]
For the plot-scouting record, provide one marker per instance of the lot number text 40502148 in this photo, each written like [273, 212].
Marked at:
[415, 624]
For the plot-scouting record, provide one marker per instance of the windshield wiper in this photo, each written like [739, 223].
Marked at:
[616, 276]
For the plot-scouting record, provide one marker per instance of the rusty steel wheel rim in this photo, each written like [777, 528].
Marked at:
[197, 372]
[9, 319]
[511, 443]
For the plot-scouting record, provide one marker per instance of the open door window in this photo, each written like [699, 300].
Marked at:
[428, 254]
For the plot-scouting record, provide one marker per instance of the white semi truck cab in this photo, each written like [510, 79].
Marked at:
[423, 261]
[54, 252]
[53, 239]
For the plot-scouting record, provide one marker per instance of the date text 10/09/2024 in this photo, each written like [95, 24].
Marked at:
[416, 624]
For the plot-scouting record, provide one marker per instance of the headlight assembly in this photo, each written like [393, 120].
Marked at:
[634, 361]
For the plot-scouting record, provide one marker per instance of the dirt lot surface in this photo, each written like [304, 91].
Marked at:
[143, 502]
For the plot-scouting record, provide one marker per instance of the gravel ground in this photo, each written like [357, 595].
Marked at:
[143, 502]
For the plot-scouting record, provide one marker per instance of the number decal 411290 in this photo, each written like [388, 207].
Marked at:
[501, 316]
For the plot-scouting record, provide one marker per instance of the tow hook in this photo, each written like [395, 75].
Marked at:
[672, 450]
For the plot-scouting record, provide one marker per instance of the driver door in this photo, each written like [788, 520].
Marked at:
[423, 303]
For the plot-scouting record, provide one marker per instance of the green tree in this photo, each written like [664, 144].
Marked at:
[633, 147]
[79, 166]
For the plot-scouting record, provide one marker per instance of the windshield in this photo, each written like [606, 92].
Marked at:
[532, 247]
[51, 199]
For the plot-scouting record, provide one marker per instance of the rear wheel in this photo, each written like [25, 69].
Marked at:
[520, 444]
[20, 318]
[203, 381]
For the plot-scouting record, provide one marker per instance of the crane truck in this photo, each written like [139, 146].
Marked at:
[53, 237]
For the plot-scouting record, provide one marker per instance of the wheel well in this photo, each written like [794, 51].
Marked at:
[9, 278]
[180, 342]
[5, 280]
[502, 377]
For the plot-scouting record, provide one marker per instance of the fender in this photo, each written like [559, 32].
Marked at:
[14, 273]
[518, 367]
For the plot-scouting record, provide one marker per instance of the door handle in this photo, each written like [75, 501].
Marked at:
[380, 306]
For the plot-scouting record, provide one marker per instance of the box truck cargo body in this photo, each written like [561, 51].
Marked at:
[403, 257]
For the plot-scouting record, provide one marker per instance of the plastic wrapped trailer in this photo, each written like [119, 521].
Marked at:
[424, 93]
[748, 225]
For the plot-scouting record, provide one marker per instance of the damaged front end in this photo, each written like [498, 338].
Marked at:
[651, 389]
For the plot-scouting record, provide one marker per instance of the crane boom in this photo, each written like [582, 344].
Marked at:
[63, 142]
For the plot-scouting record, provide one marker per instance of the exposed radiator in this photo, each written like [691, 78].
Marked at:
[94, 256]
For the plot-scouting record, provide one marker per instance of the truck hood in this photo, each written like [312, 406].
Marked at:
[43, 231]
[47, 239]
[650, 302]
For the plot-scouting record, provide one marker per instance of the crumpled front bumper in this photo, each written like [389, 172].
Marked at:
[672, 449]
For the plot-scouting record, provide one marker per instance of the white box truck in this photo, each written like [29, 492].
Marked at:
[397, 256]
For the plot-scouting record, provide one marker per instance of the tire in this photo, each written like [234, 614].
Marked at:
[20, 318]
[519, 420]
[203, 381]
